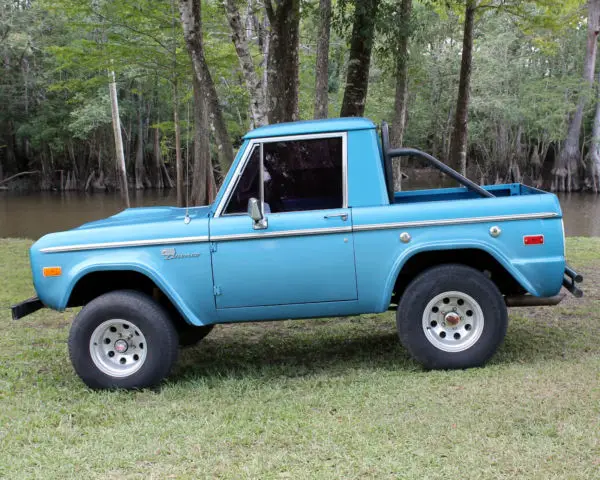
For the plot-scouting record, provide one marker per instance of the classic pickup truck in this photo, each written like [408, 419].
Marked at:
[307, 224]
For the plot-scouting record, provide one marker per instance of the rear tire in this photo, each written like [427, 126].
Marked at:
[452, 316]
[122, 339]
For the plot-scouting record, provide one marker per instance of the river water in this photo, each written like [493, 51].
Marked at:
[35, 214]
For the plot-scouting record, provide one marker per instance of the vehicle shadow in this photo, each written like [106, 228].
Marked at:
[291, 355]
[292, 350]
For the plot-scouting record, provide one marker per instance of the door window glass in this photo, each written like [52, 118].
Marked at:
[298, 175]
[303, 175]
[247, 187]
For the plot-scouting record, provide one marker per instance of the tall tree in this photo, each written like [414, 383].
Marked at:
[258, 106]
[181, 200]
[191, 19]
[140, 171]
[361, 44]
[458, 146]
[282, 64]
[202, 163]
[178, 157]
[567, 163]
[594, 160]
[322, 67]
[401, 96]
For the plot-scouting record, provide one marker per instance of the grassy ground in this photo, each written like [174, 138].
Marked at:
[335, 398]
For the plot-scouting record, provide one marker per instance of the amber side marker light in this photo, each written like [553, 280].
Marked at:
[52, 271]
[533, 239]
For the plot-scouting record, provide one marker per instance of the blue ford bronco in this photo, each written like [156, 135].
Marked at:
[307, 224]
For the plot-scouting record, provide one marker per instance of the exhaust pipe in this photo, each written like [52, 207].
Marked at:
[573, 275]
[569, 284]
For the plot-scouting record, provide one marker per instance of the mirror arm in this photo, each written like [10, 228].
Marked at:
[261, 224]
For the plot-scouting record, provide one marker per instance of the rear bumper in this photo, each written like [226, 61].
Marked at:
[571, 277]
[26, 307]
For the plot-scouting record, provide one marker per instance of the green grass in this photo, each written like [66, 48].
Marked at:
[336, 398]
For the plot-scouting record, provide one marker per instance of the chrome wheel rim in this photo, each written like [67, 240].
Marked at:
[118, 348]
[453, 321]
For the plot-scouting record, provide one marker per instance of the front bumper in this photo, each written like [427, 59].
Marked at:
[26, 307]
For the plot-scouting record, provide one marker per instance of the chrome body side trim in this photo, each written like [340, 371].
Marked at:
[299, 233]
[283, 233]
[259, 141]
[455, 221]
[129, 243]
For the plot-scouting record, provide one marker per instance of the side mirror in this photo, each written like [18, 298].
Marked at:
[255, 212]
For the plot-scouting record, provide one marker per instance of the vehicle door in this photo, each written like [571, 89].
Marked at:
[302, 250]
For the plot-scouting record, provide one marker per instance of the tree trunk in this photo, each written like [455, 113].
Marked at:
[139, 150]
[258, 107]
[322, 66]
[565, 171]
[399, 123]
[458, 146]
[264, 40]
[158, 160]
[120, 157]
[192, 31]
[282, 64]
[202, 161]
[361, 44]
[211, 187]
[178, 158]
[594, 167]
[168, 180]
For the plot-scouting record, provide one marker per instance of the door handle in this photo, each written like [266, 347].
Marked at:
[343, 216]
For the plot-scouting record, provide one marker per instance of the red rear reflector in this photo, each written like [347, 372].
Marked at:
[533, 239]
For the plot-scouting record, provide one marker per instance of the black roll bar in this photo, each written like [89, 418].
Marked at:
[389, 153]
[413, 152]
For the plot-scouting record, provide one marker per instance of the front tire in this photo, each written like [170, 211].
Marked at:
[122, 339]
[452, 316]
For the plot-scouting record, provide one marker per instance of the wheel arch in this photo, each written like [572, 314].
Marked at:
[481, 257]
[93, 281]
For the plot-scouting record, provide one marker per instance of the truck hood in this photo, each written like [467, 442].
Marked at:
[145, 215]
[132, 225]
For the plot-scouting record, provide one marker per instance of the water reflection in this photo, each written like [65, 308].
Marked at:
[33, 215]
[581, 214]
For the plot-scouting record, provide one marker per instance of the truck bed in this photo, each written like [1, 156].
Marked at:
[462, 193]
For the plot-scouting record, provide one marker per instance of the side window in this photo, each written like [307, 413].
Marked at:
[303, 175]
[248, 186]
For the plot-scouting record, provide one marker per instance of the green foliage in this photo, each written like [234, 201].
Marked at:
[54, 87]
[90, 115]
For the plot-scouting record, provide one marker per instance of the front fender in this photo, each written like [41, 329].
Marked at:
[153, 275]
[187, 282]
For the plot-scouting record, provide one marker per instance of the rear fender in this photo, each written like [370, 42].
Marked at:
[453, 245]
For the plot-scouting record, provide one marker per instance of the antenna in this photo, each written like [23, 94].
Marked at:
[187, 218]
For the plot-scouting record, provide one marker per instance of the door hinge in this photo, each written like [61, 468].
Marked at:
[216, 290]
[213, 247]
